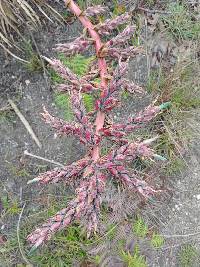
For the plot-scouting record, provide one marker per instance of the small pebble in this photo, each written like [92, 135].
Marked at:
[177, 207]
[198, 197]
[27, 82]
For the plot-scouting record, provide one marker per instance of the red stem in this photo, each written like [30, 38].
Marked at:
[99, 122]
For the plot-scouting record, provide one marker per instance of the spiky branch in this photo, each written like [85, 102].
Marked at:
[92, 172]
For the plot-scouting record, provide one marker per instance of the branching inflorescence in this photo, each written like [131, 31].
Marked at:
[92, 172]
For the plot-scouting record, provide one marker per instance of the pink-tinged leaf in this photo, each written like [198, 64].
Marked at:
[110, 99]
[95, 10]
[88, 135]
[122, 69]
[86, 204]
[84, 87]
[116, 83]
[133, 88]
[124, 53]
[112, 132]
[43, 233]
[145, 116]
[79, 45]
[63, 71]
[109, 104]
[87, 132]
[64, 88]
[61, 126]
[122, 129]
[87, 87]
[98, 104]
[132, 182]
[122, 37]
[125, 153]
[77, 129]
[111, 24]
[78, 106]
[65, 174]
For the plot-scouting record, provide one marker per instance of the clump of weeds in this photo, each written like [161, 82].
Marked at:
[181, 23]
[181, 89]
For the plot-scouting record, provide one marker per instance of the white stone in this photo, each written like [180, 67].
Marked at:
[177, 207]
[198, 197]
[27, 82]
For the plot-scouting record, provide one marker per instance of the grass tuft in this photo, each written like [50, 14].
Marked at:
[15, 14]
[140, 228]
[34, 61]
[10, 206]
[180, 23]
[157, 241]
[187, 256]
[134, 259]
[182, 91]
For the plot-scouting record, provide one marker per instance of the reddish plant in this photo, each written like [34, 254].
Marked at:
[93, 170]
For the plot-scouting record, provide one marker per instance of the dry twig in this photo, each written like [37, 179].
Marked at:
[45, 159]
[25, 122]
[18, 238]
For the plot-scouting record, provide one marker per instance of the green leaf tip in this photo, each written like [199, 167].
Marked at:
[35, 180]
[159, 157]
[32, 250]
[165, 105]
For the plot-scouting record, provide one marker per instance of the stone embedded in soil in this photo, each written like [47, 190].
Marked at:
[198, 197]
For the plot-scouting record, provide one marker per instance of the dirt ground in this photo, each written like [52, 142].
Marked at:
[178, 219]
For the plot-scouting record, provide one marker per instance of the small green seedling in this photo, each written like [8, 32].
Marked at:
[10, 207]
[88, 101]
[134, 259]
[157, 240]
[34, 61]
[111, 231]
[140, 228]
[62, 101]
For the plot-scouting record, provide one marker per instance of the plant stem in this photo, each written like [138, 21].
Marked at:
[99, 122]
